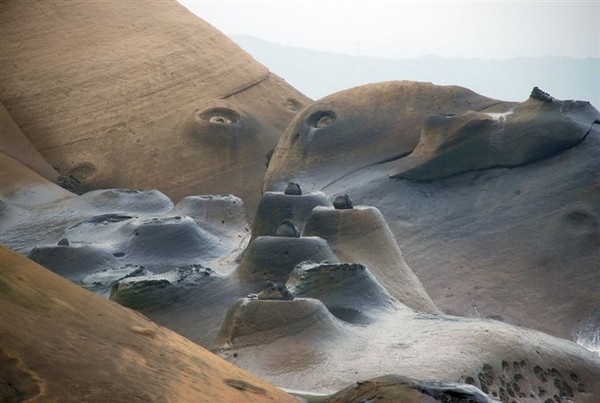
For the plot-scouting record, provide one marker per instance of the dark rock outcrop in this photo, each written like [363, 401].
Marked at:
[292, 189]
[288, 229]
[275, 291]
[342, 202]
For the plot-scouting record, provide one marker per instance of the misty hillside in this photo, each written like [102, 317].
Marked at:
[317, 73]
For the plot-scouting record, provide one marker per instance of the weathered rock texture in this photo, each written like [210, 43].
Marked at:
[15, 145]
[143, 95]
[298, 343]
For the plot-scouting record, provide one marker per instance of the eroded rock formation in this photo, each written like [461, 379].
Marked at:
[140, 95]
[494, 204]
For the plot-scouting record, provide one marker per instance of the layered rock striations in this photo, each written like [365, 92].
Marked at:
[142, 95]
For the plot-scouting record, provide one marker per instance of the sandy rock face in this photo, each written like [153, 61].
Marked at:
[494, 204]
[141, 95]
[63, 343]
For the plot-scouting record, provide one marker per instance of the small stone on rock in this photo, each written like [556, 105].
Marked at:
[342, 202]
[293, 189]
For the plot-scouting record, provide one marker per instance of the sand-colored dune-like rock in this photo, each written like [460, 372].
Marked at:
[24, 187]
[62, 343]
[15, 145]
[140, 95]
[499, 217]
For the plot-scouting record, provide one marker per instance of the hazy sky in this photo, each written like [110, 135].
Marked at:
[399, 29]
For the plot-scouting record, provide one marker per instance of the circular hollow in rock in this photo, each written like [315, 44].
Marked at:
[220, 116]
[82, 171]
[321, 119]
[293, 105]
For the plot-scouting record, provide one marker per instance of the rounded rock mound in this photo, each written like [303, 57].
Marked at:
[250, 322]
[349, 291]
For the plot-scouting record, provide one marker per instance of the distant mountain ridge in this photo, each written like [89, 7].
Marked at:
[318, 73]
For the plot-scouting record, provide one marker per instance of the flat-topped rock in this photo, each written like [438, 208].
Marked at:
[273, 258]
[349, 291]
[276, 207]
